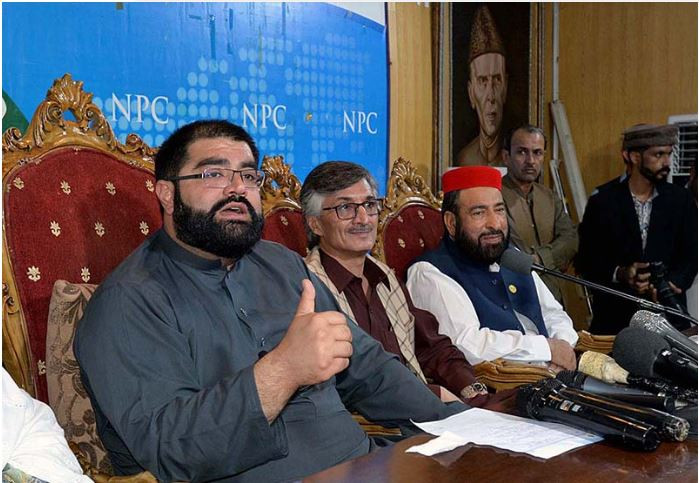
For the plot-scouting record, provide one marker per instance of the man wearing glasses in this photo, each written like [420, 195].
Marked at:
[211, 355]
[341, 208]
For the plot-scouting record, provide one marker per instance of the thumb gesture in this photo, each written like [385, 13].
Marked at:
[307, 303]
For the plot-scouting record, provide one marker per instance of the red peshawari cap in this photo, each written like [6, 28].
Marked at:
[471, 177]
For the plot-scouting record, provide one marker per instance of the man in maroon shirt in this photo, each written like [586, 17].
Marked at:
[341, 206]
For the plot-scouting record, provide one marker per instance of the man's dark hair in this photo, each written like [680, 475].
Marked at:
[449, 203]
[529, 128]
[173, 153]
[326, 179]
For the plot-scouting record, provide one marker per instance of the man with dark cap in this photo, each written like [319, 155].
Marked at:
[629, 224]
[487, 91]
[487, 310]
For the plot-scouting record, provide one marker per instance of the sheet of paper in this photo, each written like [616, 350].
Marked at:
[446, 442]
[480, 426]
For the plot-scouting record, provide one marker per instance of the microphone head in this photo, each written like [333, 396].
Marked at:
[571, 378]
[636, 350]
[516, 260]
[652, 322]
[603, 367]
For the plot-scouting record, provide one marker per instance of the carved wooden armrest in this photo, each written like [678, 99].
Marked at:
[500, 374]
[99, 477]
[596, 343]
[373, 429]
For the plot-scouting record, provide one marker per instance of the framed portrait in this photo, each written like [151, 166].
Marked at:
[488, 79]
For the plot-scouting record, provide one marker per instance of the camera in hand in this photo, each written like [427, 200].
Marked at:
[666, 296]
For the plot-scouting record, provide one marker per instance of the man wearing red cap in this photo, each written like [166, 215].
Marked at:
[487, 310]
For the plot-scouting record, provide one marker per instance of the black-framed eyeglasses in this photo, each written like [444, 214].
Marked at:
[222, 177]
[348, 211]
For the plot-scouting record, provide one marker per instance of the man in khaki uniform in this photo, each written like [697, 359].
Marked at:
[538, 223]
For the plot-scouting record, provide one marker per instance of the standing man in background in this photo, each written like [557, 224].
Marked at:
[630, 224]
[539, 225]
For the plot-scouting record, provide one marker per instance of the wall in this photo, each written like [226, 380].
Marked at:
[410, 70]
[635, 62]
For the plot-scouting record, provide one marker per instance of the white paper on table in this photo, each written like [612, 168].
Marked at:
[446, 442]
[480, 426]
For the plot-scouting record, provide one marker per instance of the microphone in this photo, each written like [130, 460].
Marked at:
[603, 367]
[658, 324]
[662, 388]
[670, 428]
[578, 380]
[545, 402]
[647, 354]
[520, 262]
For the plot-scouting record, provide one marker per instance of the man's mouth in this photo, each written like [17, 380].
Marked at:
[234, 211]
[491, 238]
[360, 230]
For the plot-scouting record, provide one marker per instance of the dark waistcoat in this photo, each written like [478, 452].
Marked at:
[495, 295]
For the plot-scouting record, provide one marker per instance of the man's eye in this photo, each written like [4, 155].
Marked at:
[213, 173]
[248, 175]
[371, 204]
[344, 207]
[477, 212]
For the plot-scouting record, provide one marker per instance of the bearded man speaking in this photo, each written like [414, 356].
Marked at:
[487, 310]
[210, 354]
[632, 224]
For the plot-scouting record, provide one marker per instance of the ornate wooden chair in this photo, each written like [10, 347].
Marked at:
[411, 219]
[281, 205]
[76, 203]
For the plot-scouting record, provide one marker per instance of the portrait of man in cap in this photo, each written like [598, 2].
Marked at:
[485, 102]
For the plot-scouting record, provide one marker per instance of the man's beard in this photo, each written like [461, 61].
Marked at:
[652, 176]
[225, 239]
[473, 249]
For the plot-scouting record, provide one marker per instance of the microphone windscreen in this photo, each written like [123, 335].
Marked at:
[636, 350]
[602, 367]
[517, 261]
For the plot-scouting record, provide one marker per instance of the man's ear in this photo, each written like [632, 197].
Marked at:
[314, 225]
[506, 158]
[450, 223]
[165, 191]
[634, 157]
[471, 96]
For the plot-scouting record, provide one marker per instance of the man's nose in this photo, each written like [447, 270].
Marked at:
[490, 91]
[362, 216]
[235, 185]
[493, 220]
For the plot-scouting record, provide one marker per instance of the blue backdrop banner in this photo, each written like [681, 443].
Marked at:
[309, 81]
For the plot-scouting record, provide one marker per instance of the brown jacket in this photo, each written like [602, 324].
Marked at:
[544, 229]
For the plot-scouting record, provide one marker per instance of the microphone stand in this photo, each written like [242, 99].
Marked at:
[646, 304]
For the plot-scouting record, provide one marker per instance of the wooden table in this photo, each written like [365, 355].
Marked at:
[599, 462]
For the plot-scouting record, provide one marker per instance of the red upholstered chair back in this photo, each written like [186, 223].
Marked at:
[411, 220]
[76, 202]
[281, 205]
